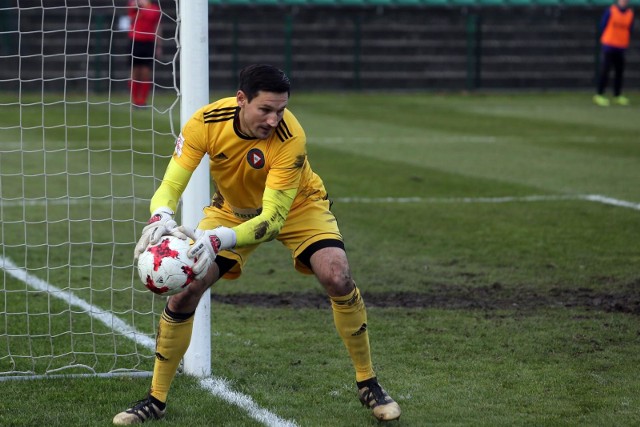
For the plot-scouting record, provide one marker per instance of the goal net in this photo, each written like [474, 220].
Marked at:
[78, 165]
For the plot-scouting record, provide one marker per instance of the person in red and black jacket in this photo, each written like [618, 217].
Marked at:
[615, 27]
[144, 16]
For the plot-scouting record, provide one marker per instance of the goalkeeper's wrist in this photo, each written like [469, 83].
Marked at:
[227, 237]
[163, 210]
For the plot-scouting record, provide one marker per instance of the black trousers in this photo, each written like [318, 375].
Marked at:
[615, 59]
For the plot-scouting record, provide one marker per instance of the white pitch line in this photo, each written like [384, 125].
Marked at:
[97, 313]
[217, 386]
[436, 139]
[506, 199]
[69, 201]
[611, 201]
[220, 388]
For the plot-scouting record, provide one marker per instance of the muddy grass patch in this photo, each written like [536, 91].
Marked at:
[493, 297]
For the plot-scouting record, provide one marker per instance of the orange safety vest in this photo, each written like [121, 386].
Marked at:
[617, 31]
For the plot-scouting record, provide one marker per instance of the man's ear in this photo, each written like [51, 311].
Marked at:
[241, 98]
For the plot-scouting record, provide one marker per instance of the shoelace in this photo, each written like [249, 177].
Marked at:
[146, 407]
[378, 394]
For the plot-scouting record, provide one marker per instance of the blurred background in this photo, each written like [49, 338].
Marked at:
[324, 44]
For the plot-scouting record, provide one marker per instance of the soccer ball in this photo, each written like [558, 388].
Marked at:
[164, 268]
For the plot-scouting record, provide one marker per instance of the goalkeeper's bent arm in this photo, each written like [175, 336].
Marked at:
[174, 182]
[267, 225]
[264, 227]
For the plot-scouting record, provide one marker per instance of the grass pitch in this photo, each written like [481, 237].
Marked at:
[494, 238]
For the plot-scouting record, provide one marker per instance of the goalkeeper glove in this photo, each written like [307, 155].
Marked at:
[207, 244]
[160, 224]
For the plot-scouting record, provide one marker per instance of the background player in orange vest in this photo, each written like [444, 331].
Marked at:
[144, 16]
[616, 26]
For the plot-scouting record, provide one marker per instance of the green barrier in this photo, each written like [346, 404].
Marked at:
[381, 2]
[474, 42]
[452, 3]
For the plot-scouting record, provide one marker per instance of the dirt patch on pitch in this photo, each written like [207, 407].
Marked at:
[494, 297]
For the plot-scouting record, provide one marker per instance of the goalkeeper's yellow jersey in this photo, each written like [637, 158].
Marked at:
[241, 166]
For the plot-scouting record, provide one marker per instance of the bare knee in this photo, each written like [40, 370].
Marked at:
[331, 267]
[339, 286]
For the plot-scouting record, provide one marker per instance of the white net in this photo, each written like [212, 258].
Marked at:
[78, 164]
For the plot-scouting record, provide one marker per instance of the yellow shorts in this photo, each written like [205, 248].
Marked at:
[306, 224]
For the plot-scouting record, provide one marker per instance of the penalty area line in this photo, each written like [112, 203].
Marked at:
[218, 387]
[611, 201]
[105, 317]
[597, 198]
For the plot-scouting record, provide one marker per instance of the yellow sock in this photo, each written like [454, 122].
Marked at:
[172, 341]
[350, 318]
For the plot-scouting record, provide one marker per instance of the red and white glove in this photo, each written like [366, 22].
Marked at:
[207, 244]
[160, 224]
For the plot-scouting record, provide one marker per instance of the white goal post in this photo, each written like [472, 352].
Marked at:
[78, 166]
[194, 86]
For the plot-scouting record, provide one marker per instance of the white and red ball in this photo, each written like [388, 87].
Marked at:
[165, 268]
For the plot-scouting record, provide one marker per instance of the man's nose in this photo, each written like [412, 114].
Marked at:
[272, 120]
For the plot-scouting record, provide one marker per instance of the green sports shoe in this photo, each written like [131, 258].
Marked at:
[141, 411]
[373, 396]
[621, 100]
[601, 100]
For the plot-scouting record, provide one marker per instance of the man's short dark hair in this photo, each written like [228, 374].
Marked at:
[257, 77]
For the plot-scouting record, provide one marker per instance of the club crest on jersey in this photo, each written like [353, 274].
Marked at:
[255, 158]
[179, 143]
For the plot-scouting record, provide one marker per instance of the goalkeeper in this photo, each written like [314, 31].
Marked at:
[265, 190]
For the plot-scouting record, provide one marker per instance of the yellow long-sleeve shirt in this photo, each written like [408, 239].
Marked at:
[259, 180]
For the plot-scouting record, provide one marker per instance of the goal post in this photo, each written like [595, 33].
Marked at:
[194, 89]
[78, 166]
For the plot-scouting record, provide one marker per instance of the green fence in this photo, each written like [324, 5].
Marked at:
[479, 3]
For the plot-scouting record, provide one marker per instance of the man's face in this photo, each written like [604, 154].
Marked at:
[261, 116]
